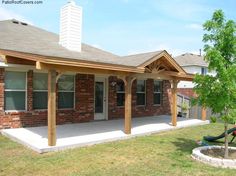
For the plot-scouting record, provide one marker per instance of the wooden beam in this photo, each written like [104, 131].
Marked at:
[152, 76]
[164, 75]
[65, 68]
[179, 76]
[52, 107]
[174, 102]
[16, 60]
[204, 113]
[128, 104]
[59, 74]
[159, 71]
[73, 62]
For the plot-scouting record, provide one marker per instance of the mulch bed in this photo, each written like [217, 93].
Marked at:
[219, 153]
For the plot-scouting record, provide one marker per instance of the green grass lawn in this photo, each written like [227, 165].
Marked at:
[166, 153]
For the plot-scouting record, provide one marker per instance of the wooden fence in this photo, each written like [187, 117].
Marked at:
[194, 112]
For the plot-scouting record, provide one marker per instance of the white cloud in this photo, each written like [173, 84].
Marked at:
[7, 14]
[194, 26]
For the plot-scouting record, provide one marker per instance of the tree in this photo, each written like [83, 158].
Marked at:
[219, 92]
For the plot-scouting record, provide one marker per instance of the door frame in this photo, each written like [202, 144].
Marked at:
[105, 79]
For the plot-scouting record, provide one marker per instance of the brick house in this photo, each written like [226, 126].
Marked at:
[46, 79]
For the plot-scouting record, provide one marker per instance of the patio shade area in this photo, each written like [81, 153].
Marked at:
[85, 134]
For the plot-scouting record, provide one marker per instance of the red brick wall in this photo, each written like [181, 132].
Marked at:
[84, 98]
[30, 90]
[2, 122]
[187, 92]
[84, 104]
[137, 111]
[83, 112]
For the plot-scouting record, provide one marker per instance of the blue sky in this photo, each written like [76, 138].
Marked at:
[131, 26]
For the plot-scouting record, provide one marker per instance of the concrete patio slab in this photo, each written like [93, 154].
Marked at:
[84, 134]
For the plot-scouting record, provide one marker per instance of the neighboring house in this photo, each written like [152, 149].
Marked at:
[193, 64]
[46, 79]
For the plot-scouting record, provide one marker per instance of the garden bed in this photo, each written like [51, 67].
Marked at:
[219, 153]
[214, 156]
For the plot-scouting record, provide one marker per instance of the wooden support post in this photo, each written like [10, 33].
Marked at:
[52, 107]
[204, 113]
[4, 58]
[128, 105]
[174, 102]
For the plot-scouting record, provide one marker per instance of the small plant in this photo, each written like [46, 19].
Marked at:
[213, 119]
[184, 107]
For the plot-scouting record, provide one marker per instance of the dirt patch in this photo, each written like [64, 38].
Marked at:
[219, 153]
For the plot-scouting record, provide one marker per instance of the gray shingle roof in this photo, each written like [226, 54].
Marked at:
[189, 59]
[138, 59]
[30, 39]
[33, 40]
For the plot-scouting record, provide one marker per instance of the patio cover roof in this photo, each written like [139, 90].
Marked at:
[25, 41]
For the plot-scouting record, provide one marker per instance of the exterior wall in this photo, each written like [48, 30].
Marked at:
[189, 69]
[84, 104]
[83, 112]
[186, 87]
[192, 70]
[149, 109]
[187, 92]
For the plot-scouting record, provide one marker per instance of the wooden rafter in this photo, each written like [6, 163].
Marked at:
[157, 66]
[168, 58]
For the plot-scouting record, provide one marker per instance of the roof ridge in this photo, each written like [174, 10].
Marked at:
[188, 53]
[144, 53]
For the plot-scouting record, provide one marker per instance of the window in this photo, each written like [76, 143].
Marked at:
[66, 91]
[15, 90]
[120, 93]
[157, 92]
[40, 90]
[141, 92]
[203, 70]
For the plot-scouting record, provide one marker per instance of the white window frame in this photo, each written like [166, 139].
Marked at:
[204, 70]
[120, 92]
[138, 92]
[17, 90]
[39, 91]
[68, 92]
[154, 92]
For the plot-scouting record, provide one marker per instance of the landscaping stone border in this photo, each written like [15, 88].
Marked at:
[217, 162]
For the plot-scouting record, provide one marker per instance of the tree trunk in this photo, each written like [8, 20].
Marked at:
[226, 141]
